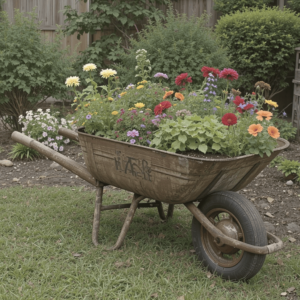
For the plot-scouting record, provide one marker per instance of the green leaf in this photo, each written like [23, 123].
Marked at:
[216, 147]
[203, 148]
[182, 138]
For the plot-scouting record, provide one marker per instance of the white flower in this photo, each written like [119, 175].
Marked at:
[72, 81]
[48, 110]
[63, 122]
[39, 110]
[89, 67]
[66, 141]
[107, 73]
[21, 117]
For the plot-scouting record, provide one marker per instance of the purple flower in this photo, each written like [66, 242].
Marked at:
[251, 111]
[49, 127]
[132, 141]
[140, 138]
[164, 115]
[194, 94]
[148, 142]
[88, 117]
[157, 75]
[45, 134]
[143, 126]
[58, 138]
[133, 133]
[215, 109]
[148, 132]
[61, 148]
[49, 139]
[119, 120]
[242, 106]
[284, 114]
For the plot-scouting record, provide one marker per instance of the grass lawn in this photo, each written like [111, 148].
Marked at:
[47, 253]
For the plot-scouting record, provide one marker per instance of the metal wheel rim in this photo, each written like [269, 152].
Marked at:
[212, 249]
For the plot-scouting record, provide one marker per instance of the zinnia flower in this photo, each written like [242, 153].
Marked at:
[182, 79]
[248, 106]
[179, 96]
[89, 67]
[229, 74]
[262, 113]
[72, 81]
[139, 87]
[139, 105]
[167, 94]
[88, 117]
[114, 113]
[238, 100]
[229, 119]
[254, 129]
[157, 75]
[207, 70]
[107, 73]
[272, 103]
[273, 132]
[161, 107]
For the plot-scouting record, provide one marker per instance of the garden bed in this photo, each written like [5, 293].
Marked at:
[277, 202]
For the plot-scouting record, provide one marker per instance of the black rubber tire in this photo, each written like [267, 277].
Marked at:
[253, 230]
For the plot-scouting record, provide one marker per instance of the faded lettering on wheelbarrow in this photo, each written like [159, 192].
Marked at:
[137, 167]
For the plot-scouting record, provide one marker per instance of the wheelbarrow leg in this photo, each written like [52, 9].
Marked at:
[170, 211]
[97, 212]
[134, 204]
[161, 210]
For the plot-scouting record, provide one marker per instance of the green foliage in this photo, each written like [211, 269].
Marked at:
[276, 161]
[31, 70]
[288, 167]
[1, 149]
[20, 151]
[230, 6]
[261, 43]
[181, 44]
[287, 130]
[191, 133]
[294, 5]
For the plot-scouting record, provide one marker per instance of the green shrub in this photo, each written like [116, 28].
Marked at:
[20, 151]
[31, 70]
[229, 6]
[288, 167]
[276, 161]
[181, 44]
[286, 129]
[262, 44]
[295, 5]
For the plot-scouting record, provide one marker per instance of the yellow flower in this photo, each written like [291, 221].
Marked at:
[83, 123]
[148, 109]
[79, 106]
[131, 108]
[174, 104]
[86, 105]
[89, 67]
[76, 108]
[95, 113]
[75, 100]
[110, 99]
[218, 107]
[94, 99]
[225, 92]
[143, 82]
[72, 81]
[139, 87]
[107, 73]
[272, 103]
[122, 94]
[139, 105]
[114, 113]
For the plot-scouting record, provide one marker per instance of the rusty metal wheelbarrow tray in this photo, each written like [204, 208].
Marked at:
[163, 176]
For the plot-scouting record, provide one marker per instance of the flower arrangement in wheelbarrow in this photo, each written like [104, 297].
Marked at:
[150, 114]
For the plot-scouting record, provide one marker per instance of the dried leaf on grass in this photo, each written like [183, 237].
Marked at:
[291, 289]
[180, 298]
[77, 255]
[208, 275]
[161, 236]
[155, 295]
[280, 262]
[283, 294]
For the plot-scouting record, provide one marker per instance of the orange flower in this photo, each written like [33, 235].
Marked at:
[273, 132]
[254, 129]
[262, 113]
[167, 94]
[179, 96]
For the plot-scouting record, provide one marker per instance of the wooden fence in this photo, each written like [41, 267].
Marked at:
[50, 14]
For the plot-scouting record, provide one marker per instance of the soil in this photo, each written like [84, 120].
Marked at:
[277, 202]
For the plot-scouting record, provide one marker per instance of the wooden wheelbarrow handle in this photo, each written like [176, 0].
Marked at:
[64, 161]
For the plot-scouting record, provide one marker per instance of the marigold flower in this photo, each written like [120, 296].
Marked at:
[229, 74]
[131, 108]
[75, 100]
[139, 105]
[272, 103]
[110, 99]
[254, 129]
[107, 73]
[86, 105]
[139, 87]
[122, 94]
[114, 113]
[89, 67]
[229, 119]
[262, 113]
[207, 70]
[182, 79]
[72, 81]
[179, 96]
[148, 109]
[142, 82]
[273, 132]
[167, 94]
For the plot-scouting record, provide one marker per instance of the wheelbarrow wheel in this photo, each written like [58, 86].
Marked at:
[236, 217]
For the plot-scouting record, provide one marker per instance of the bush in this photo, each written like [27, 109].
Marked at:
[262, 44]
[179, 45]
[295, 5]
[229, 6]
[30, 70]
[20, 151]
[287, 131]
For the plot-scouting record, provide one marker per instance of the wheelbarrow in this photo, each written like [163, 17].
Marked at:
[227, 231]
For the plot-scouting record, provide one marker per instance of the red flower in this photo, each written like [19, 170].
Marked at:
[248, 106]
[229, 74]
[238, 100]
[253, 93]
[161, 107]
[182, 79]
[229, 119]
[239, 110]
[207, 70]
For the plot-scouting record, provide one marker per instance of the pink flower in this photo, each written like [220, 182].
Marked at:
[229, 74]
